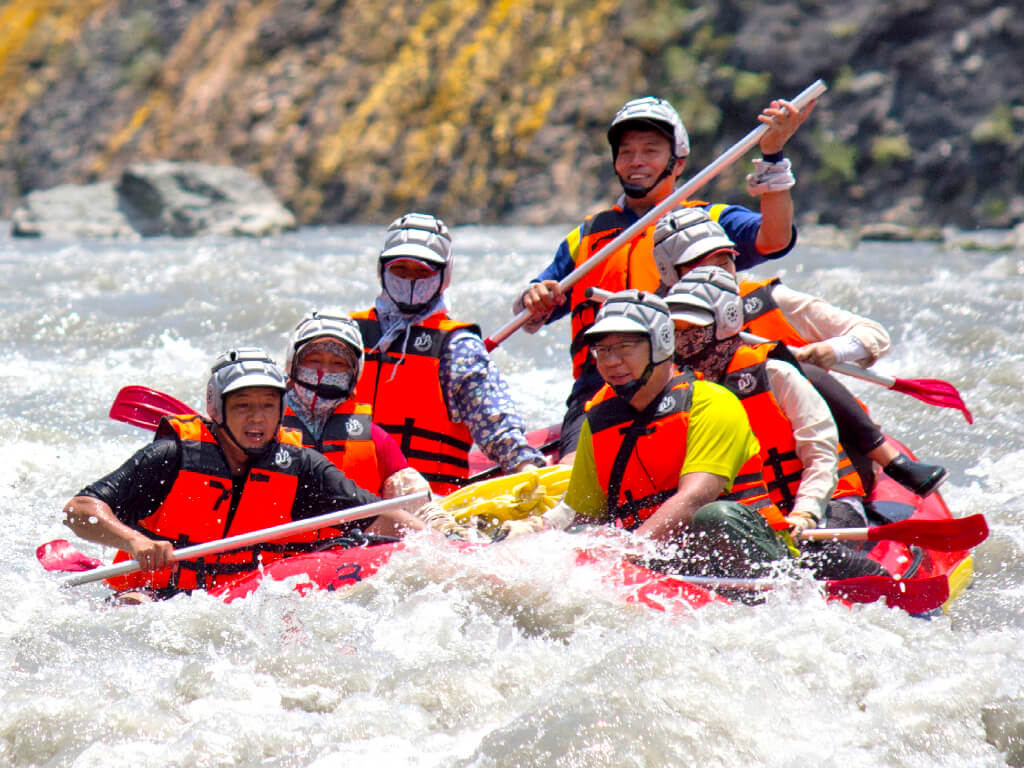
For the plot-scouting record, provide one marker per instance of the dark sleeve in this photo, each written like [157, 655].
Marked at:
[323, 488]
[138, 487]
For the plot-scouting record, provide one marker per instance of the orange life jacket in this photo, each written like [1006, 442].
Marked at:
[198, 509]
[347, 441]
[762, 316]
[631, 266]
[638, 460]
[747, 377]
[404, 391]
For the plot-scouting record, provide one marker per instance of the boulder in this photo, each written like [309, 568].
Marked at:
[186, 199]
[72, 211]
[158, 198]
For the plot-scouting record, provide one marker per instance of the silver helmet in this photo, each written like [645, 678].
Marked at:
[633, 311]
[419, 236]
[711, 293]
[650, 112]
[320, 325]
[240, 368]
[684, 235]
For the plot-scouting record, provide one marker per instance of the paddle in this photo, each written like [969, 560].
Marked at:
[912, 595]
[253, 537]
[144, 407]
[809, 94]
[931, 391]
[61, 555]
[954, 535]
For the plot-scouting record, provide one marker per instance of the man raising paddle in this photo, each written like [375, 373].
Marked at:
[207, 479]
[649, 151]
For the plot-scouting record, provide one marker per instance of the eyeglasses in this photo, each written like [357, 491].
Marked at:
[621, 350]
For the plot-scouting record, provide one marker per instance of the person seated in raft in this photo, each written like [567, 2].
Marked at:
[323, 362]
[659, 451]
[804, 466]
[819, 334]
[650, 148]
[204, 479]
[428, 378]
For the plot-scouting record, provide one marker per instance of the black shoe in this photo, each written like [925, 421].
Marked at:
[919, 478]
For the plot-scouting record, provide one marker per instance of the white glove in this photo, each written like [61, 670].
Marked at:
[404, 482]
[770, 177]
[800, 522]
[512, 528]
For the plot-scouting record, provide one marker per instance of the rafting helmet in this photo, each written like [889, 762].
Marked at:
[649, 113]
[421, 237]
[322, 325]
[708, 295]
[633, 311]
[684, 235]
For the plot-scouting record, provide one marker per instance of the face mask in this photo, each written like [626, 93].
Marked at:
[326, 386]
[412, 295]
[693, 341]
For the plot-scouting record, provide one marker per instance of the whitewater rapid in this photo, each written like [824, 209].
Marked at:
[510, 657]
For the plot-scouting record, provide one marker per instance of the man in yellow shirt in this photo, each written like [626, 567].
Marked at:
[659, 449]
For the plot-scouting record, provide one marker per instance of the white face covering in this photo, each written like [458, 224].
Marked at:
[412, 295]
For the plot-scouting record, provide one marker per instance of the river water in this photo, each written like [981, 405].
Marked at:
[507, 657]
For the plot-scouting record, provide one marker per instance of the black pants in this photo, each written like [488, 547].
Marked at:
[857, 432]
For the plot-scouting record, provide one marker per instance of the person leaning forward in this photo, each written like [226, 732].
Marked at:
[204, 479]
[649, 151]
[659, 449]
[428, 378]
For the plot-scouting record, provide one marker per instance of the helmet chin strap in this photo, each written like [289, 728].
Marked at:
[637, 192]
[628, 391]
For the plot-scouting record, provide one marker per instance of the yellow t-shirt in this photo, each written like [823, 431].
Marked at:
[718, 441]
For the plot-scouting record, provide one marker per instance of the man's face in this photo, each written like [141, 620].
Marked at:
[643, 156]
[252, 415]
[621, 357]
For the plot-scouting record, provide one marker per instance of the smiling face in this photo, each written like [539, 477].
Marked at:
[641, 159]
[252, 415]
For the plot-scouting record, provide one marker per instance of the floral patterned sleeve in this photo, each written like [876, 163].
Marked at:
[477, 395]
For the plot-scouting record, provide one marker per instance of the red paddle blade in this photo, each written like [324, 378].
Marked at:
[956, 535]
[934, 392]
[144, 407]
[912, 595]
[59, 555]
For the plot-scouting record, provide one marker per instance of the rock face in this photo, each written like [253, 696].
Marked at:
[497, 112]
[160, 198]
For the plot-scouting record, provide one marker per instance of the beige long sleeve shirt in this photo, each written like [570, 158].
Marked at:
[817, 320]
[814, 431]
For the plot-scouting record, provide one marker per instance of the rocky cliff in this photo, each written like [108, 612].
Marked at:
[496, 111]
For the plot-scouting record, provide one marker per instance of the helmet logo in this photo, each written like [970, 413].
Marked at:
[733, 316]
[752, 305]
[282, 458]
[668, 402]
[666, 336]
[746, 383]
[353, 427]
[422, 342]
